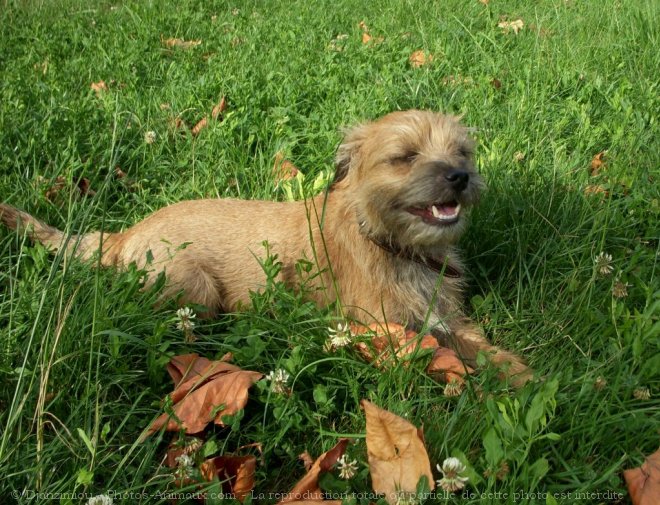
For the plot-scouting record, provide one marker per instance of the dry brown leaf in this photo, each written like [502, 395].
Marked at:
[396, 453]
[217, 111]
[180, 43]
[283, 169]
[511, 26]
[366, 38]
[201, 124]
[485, 2]
[595, 189]
[363, 26]
[99, 87]
[308, 486]
[119, 173]
[420, 58]
[204, 391]
[390, 340]
[597, 163]
[644, 482]
[496, 83]
[81, 186]
[235, 472]
[447, 366]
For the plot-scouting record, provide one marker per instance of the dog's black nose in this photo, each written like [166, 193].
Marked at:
[458, 179]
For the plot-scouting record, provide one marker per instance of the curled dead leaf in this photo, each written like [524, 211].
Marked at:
[171, 43]
[201, 124]
[396, 453]
[511, 26]
[420, 58]
[204, 391]
[81, 187]
[643, 482]
[99, 87]
[595, 189]
[217, 111]
[597, 163]
[283, 169]
[389, 341]
[235, 472]
[308, 486]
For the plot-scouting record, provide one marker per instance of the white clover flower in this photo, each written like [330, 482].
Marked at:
[454, 388]
[347, 469]
[603, 263]
[185, 324]
[338, 337]
[101, 499]
[150, 137]
[279, 380]
[620, 289]
[451, 479]
[185, 466]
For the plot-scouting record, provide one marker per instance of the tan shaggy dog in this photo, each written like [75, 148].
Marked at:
[381, 238]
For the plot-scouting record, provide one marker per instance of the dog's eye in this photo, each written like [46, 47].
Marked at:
[407, 157]
[465, 153]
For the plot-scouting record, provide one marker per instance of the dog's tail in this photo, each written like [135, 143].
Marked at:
[80, 246]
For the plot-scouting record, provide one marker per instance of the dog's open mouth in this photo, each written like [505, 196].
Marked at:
[438, 213]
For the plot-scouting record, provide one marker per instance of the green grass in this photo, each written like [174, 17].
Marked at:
[84, 351]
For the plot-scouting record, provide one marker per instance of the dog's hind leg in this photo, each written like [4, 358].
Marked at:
[196, 285]
[467, 339]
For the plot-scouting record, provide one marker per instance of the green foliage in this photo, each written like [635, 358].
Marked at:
[83, 350]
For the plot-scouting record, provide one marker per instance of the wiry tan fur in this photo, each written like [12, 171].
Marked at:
[384, 168]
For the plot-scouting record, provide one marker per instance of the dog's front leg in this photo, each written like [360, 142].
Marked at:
[467, 339]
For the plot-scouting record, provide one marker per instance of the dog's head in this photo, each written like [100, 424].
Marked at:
[411, 177]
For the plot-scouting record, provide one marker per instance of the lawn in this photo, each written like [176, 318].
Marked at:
[97, 106]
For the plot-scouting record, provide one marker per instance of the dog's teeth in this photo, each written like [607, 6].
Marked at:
[434, 209]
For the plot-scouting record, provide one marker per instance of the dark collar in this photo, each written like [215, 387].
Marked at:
[440, 266]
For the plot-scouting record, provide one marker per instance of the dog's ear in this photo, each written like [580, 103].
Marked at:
[348, 151]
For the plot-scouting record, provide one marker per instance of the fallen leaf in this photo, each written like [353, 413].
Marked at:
[447, 366]
[643, 482]
[235, 472]
[283, 169]
[180, 43]
[201, 124]
[390, 340]
[366, 38]
[308, 486]
[595, 189]
[99, 87]
[81, 185]
[485, 2]
[396, 453]
[119, 173]
[217, 111]
[204, 391]
[597, 163]
[511, 26]
[420, 58]
[496, 83]
[363, 26]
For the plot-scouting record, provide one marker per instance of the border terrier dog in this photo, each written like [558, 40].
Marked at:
[382, 237]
